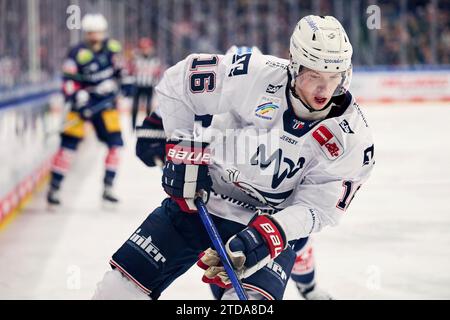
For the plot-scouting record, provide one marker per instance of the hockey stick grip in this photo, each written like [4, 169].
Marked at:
[220, 248]
[95, 109]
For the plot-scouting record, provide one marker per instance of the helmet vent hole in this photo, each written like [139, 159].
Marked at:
[314, 37]
[317, 49]
[326, 67]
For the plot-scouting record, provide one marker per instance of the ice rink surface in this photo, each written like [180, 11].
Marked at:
[394, 242]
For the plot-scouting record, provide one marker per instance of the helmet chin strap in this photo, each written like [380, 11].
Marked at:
[303, 111]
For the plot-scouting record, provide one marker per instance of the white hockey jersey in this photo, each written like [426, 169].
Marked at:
[305, 173]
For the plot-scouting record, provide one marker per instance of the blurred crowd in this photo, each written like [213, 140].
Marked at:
[412, 32]
[418, 35]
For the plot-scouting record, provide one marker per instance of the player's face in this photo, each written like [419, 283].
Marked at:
[95, 38]
[317, 88]
[147, 51]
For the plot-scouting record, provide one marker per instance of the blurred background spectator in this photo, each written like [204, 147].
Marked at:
[34, 37]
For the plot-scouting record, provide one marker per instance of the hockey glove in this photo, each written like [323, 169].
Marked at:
[249, 250]
[106, 87]
[82, 99]
[186, 174]
[151, 140]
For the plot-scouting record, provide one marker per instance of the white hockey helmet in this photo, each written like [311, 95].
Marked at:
[94, 23]
[320, 43]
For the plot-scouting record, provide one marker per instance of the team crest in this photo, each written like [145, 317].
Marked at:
[298, 124]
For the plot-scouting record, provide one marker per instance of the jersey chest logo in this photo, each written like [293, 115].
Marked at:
[329, 145]
[259, 158]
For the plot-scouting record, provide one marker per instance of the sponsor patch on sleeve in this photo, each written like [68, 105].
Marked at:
[267, 108]
[329, 145]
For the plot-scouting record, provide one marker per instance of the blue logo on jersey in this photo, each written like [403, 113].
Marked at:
[273, 88]
[345, 126]
[241, 62]
[259, 158]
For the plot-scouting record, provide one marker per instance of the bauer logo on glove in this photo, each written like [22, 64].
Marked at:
[188, 152]
[186, 173]
[249, 250]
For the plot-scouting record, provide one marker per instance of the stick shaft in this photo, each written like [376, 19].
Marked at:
[220, 248]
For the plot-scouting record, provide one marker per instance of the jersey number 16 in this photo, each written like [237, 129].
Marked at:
[201, 80]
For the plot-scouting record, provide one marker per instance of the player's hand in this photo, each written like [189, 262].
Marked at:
[249, 250]
[185, 173]
[82, 104]
[151, 141]
[106, 87]
[85, 113]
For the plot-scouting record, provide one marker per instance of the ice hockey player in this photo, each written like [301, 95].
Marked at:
[150, 148]
[92, 72]
[287, 150]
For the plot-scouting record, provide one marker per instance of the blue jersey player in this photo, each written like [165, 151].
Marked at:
[92, 73]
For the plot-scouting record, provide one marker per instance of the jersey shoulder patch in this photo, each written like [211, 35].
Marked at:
[240, 63]
[244, 62]
[352, 124]
[328, 142]
[345, 138]
[114, 46]
[84, 56]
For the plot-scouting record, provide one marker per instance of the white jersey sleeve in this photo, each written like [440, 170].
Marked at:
[203, 84]
[322, 198]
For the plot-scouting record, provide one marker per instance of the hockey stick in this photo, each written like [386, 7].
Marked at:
[220, 248]
[95, 109]
[217, 242]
